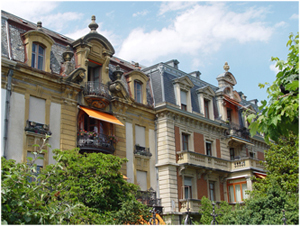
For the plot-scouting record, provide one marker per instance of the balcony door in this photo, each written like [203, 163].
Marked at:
[88, 124]
[94, 76]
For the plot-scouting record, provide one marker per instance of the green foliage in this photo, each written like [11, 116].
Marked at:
[282, 166]
[78, 189]
[266, 209]
[206, 209]
[280, 115]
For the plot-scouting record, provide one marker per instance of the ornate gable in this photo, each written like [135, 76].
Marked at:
[184, 82]
[206, 90]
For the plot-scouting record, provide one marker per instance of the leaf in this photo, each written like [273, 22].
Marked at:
[292, 86]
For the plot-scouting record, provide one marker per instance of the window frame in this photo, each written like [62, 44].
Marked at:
[188, 188]
[185, 141]
[35, 56]
[207, 149]
[233, 184]
[212, 191]
[183, 104]
[138, 91]
[206, 108]
[229, 114]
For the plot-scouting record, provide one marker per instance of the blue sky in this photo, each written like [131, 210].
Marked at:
[201, 35]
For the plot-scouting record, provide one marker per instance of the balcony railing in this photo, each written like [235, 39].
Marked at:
[238, 130]
[96, 89]
[142, 151]
[149, 198]
[36, 127]
[206, 161]
[96, 142]
[193, 204]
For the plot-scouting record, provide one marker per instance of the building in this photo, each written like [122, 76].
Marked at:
[79, 93]
[183, 138]
[203, 144]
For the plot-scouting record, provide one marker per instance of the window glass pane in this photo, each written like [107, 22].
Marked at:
[141, 177]
[208, 148]
[41, 50]
[40, 62]
[238, 193]
[231, 194]
[33, 60]
[244, 187]
[188, 181]
[183, 96]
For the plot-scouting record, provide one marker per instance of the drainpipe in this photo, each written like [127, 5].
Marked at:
[7, 107]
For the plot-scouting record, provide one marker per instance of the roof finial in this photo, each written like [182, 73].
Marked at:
[226, 67]
[93, 25]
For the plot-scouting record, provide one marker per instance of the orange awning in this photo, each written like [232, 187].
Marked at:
[102, 116]
[260, 175]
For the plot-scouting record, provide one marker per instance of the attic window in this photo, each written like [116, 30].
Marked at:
[38, 55]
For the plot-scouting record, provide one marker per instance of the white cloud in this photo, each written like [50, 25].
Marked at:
[109, 35]
[274, 68]
[294, 17]
[174, 6]
[142, 13]
[280, 24]
[201, 29]
[60, 21]
[29, 10]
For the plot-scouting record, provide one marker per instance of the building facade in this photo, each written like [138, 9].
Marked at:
[183, 138]
[203, 143]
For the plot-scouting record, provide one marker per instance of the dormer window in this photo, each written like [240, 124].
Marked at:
[183, 98]
[38, 55]
[206, 108]
[138, 93]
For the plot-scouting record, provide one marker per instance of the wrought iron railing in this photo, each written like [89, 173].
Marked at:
[139, 150]
[36, 127]
[148, 197]
[97, 89]
[95, 141]
[238, 130]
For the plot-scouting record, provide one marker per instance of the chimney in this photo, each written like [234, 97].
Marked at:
[254, 101]
[195, 74]
[173, 63]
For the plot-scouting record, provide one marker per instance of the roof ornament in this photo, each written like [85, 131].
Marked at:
[226, 67]
[93, 25]
[39, 25]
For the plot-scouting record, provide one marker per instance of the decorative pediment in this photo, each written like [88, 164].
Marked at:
[206, 90]
[250, 108]
[184, 81]
[137, 74]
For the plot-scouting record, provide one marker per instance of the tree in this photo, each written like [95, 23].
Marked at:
[280, 115]
[206, 208]
[78, 189]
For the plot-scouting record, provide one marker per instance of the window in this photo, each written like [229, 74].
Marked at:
[185, 142]
[138, 91]
[187, 187]
[229, 114]
[141, 178]
[183, 98]
[208, 148]
[212, 191]
[237, 190]
[94, 74]
[38, 55]
[206, 108]
[231, 153]
[37, 110]
[251, 155]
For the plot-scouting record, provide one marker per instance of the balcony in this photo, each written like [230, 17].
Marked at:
[96, 94]
[204, 161]
[193, 204]
[149, 198]
[38, 128]
[95, 142]
[142, 151]
[238, 131]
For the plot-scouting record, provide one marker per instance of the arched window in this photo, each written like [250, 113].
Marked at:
[38, 56]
